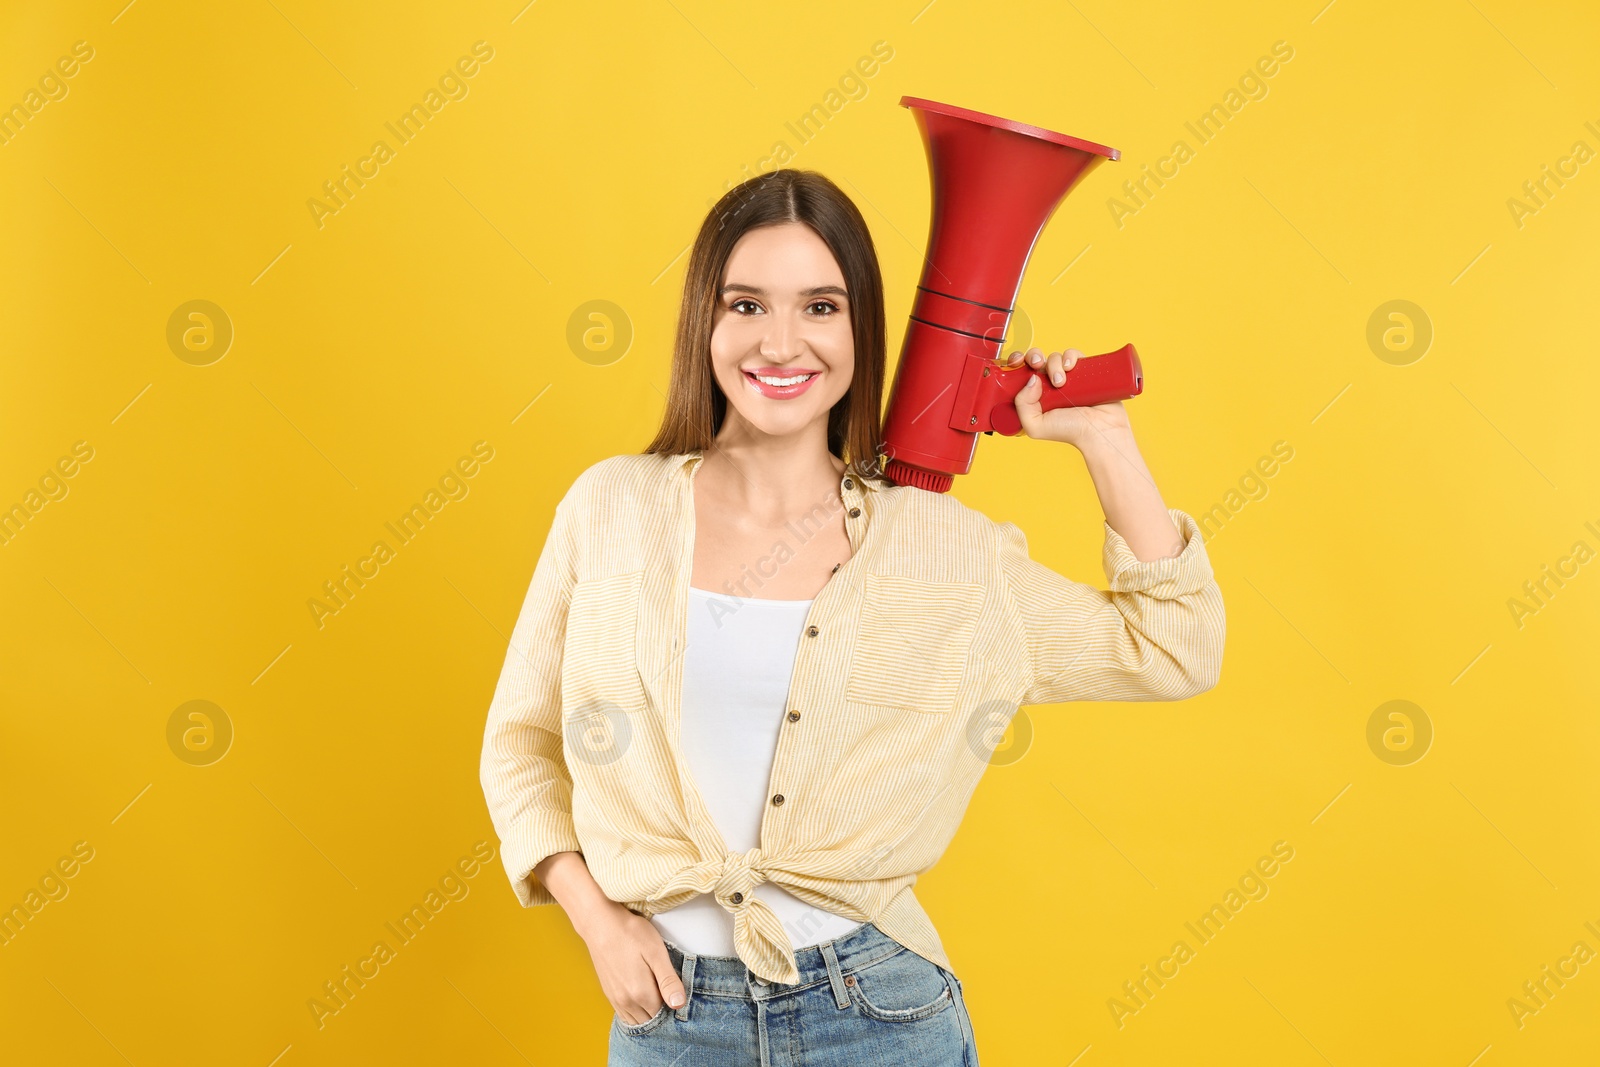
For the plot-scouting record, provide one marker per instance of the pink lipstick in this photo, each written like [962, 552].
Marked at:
[780, 392]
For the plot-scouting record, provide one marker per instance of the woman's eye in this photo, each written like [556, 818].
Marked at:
[828, 309]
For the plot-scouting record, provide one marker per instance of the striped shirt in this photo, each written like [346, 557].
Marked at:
[913, 658]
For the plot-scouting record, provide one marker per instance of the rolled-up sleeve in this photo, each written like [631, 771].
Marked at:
[523, 771]
[1156, 634]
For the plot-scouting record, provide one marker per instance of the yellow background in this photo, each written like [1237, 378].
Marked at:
[371, 353]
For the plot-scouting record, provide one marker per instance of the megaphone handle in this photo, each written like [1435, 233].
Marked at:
[1092, 380]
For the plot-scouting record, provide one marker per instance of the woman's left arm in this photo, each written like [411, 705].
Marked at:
[1128, 495]
[1158, 632]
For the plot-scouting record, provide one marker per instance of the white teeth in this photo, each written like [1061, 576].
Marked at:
[783, 381]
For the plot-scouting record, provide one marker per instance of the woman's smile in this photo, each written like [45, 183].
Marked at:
[781, 385]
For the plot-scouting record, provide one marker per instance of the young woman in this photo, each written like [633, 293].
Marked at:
[753, 683]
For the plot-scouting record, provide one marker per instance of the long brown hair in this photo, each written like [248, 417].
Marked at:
[696, 404]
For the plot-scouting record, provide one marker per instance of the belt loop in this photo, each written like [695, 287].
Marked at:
[835, 975]
[688, 986]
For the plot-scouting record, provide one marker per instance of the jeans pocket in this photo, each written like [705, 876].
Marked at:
[645, 1027]
[903, 988]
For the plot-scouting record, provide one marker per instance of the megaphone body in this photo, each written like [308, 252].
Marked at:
[995, 185]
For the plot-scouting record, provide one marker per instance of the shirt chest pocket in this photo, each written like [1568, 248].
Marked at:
[600, 663]
[912, 646]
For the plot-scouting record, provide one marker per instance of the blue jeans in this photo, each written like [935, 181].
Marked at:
[862, 1000]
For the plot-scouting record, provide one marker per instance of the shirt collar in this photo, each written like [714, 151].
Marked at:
[850, 486]
[854, 494]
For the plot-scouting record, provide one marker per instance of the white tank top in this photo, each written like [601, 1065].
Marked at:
[737, 666]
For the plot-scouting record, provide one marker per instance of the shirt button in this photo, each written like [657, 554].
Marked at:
[835, 570]
[848, 484]
[794, 716]
[812, 631]
[854, 512]
[777, 798]
[737, 898]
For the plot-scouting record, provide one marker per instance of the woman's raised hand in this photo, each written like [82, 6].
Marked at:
[1076, 426]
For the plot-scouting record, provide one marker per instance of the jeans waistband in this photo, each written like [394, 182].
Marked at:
[729, 976]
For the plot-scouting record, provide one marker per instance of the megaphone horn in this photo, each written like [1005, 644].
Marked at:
[995, 185]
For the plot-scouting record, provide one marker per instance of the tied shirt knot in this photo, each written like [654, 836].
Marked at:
[758, 935]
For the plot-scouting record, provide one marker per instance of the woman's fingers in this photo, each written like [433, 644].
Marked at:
[641, 1005]
[1053, 366]
[668, 982]
[1061, 362]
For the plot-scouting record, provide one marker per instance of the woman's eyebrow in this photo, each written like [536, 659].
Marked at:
[821, 290]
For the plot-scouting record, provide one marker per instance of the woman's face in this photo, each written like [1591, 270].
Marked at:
[782, 313]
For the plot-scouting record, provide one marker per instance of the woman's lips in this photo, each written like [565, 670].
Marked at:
[779, 392]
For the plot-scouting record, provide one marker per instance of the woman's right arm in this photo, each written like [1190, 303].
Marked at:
[528, 787]
[523, 770]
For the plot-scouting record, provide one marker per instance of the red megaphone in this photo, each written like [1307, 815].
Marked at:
[995, 185]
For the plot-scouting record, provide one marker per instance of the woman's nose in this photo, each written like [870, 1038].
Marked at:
[782, 338]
